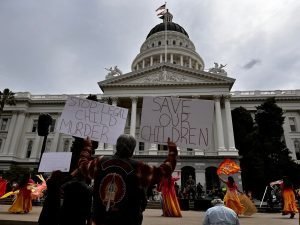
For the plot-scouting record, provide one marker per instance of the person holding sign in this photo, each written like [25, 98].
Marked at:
[120, 182]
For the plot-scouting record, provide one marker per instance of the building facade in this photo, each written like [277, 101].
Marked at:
[167, 65]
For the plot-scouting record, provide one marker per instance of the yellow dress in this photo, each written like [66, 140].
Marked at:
[232, 200]
[289, 201]
[23, 201]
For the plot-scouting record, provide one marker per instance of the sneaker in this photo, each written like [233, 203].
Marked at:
[292, 215]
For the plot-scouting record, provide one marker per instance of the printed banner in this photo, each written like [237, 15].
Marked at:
[188, 122]
[101, 122]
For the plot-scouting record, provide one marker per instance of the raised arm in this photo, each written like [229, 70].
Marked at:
[222, 180]
[149, 175]
[86, 164]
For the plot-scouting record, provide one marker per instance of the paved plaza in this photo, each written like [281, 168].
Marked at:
[153, 217]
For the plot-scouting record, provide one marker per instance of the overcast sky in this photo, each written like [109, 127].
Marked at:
[63, 46]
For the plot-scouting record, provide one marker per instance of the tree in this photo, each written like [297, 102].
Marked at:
[264, 155]
[6, 98]
[270, 135]
[250, 160]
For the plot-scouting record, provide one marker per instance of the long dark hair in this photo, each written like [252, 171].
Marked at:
[24, 180]
[231, 180]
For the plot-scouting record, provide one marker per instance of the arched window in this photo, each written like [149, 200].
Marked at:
[297, 148]
[1, 141]
[66, 145]
[212, 179]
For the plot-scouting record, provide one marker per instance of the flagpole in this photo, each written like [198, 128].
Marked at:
[166, 34]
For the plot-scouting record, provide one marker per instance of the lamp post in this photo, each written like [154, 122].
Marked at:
[44, 122]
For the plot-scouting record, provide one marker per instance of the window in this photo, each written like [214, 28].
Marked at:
[48, 145]
[52, 126]
[174, 42]
[29, 148]
[141, 146]
[1, 141]
[292, 121]
[190, 151]
[159, 43]
[66, 145]
[3, 124]
[162, 147]
[297, 148]
[128, 119]
[34, 126]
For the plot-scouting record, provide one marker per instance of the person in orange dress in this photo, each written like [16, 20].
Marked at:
[289, 198]
[170, 205]
[23, 201]
[231, 198]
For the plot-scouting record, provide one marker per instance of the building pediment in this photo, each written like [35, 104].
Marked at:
[166, 75]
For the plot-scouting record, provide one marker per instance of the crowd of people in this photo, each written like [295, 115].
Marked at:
[109, 189]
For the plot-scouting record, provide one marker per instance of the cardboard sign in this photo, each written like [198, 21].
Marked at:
[188, 122]
[101, 122]
[52, 161]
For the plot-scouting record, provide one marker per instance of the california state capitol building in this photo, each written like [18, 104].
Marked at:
[178, 72]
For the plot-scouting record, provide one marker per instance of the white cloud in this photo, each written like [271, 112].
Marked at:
[53, 46]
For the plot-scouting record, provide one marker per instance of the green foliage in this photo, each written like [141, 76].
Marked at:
[6, 98]
[264, 155]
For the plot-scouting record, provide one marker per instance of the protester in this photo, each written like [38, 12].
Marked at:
[289, 199]
[231, 198]
[199, 190]
[170, 205]
[3, 184]
[77, 201]
[120, 182]
[23, 201]
[220, 214]
[51, 206]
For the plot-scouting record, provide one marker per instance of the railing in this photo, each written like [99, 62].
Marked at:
[261, 93]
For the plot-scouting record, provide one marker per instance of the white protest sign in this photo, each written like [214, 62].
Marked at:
[101, 122]
[188, 122]
[52, 161]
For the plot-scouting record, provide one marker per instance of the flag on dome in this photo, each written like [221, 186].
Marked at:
[162, 7]
[161, 10]
[227, 167]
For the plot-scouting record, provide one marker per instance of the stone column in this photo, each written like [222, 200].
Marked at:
[181, 60]
[190, 62]
[231, 145]
[133, 116]
[143, 63]
[54, 145]
[14, 147]
[36, 149]
[151, 61]
[100, 148]
[110, 147]
[11, 131]
[171, 58]
[219, 124]
[161, 58]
